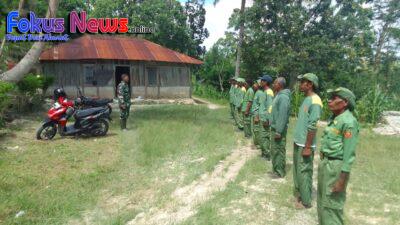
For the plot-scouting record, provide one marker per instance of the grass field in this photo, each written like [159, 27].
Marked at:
[169, 150]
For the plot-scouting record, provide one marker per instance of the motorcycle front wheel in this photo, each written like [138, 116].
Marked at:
[46, 132]
[99, 128]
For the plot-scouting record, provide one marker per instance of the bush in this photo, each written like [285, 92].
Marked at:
[371, 106]
[5, 99]
[210, 92]
[31, 90]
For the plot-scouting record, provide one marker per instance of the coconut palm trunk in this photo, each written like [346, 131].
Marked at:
[22, 68]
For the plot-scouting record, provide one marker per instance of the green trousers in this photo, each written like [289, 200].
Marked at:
[255, 128]
[329, 205]
[232, 110]
[302, 175]
[278, 154]
[265, 141]
[238, 118]
[247, 125]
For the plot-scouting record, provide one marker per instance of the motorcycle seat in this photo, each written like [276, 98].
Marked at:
[87, 112]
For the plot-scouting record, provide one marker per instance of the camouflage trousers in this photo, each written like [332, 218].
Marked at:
[124, 113]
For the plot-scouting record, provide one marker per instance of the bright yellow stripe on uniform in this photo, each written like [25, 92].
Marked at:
[270, 109]
[270, 92]
[316, 100]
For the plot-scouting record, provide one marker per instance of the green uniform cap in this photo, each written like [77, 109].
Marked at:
[345, 94]
[310, 77]
[241, 80]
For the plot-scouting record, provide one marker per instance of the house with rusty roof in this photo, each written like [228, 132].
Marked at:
[95, 63]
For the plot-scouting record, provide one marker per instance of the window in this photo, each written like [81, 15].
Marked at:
[88, 72]
[152, 76]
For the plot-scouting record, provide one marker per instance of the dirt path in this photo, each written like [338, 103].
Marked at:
[209, 104]
[188, 197]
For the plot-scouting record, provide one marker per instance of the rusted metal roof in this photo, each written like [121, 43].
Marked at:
[114, 48]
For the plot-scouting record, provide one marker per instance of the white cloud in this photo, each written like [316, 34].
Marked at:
[217, 18]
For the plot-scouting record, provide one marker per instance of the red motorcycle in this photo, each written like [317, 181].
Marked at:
[90, 121]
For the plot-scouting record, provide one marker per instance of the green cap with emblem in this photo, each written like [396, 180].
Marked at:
[310, 77]
[345, 94]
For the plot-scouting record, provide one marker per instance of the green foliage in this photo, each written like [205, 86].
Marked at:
[218, 66]
[175, 27]
[296, 100]
[371, 106]
[31, 90]
[5, 98]
[210, 92]
[29, 84]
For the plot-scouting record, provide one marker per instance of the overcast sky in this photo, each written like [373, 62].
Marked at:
[217, 18]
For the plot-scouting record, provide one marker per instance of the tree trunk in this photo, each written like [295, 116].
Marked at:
[22, 68]
[221, 82]
[241, 34]
[2, 45]
[379, 45]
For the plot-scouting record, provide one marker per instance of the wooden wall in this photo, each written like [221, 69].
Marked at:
[167, 80]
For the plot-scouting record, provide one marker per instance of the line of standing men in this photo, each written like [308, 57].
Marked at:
[263, 112]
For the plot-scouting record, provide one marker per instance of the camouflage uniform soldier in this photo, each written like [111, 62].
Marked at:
[124, 100]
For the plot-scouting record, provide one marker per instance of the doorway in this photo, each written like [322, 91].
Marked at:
[119, 70]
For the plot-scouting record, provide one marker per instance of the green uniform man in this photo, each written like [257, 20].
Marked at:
[246, 105]
[279, 125]
[304, 140]
[337, 154]
[241, 91]
[232, 81]
[264, 113]
[124, 100]
[255, 120]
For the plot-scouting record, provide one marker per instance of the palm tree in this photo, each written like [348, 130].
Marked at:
[22, 68]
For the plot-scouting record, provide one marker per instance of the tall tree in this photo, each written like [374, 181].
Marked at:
[330, 38]
[387, 15]
[219, 62]
[241, 37]
[195, 12]
[168, 19]
[22, 68]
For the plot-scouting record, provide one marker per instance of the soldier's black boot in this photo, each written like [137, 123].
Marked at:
[123, 124]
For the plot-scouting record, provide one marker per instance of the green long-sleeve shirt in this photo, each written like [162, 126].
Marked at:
[232, 94]
[265, 105]
[256, 102]
[309, 114]
[239, 96]
[281, 111]
[248, 97]
[340, 139]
